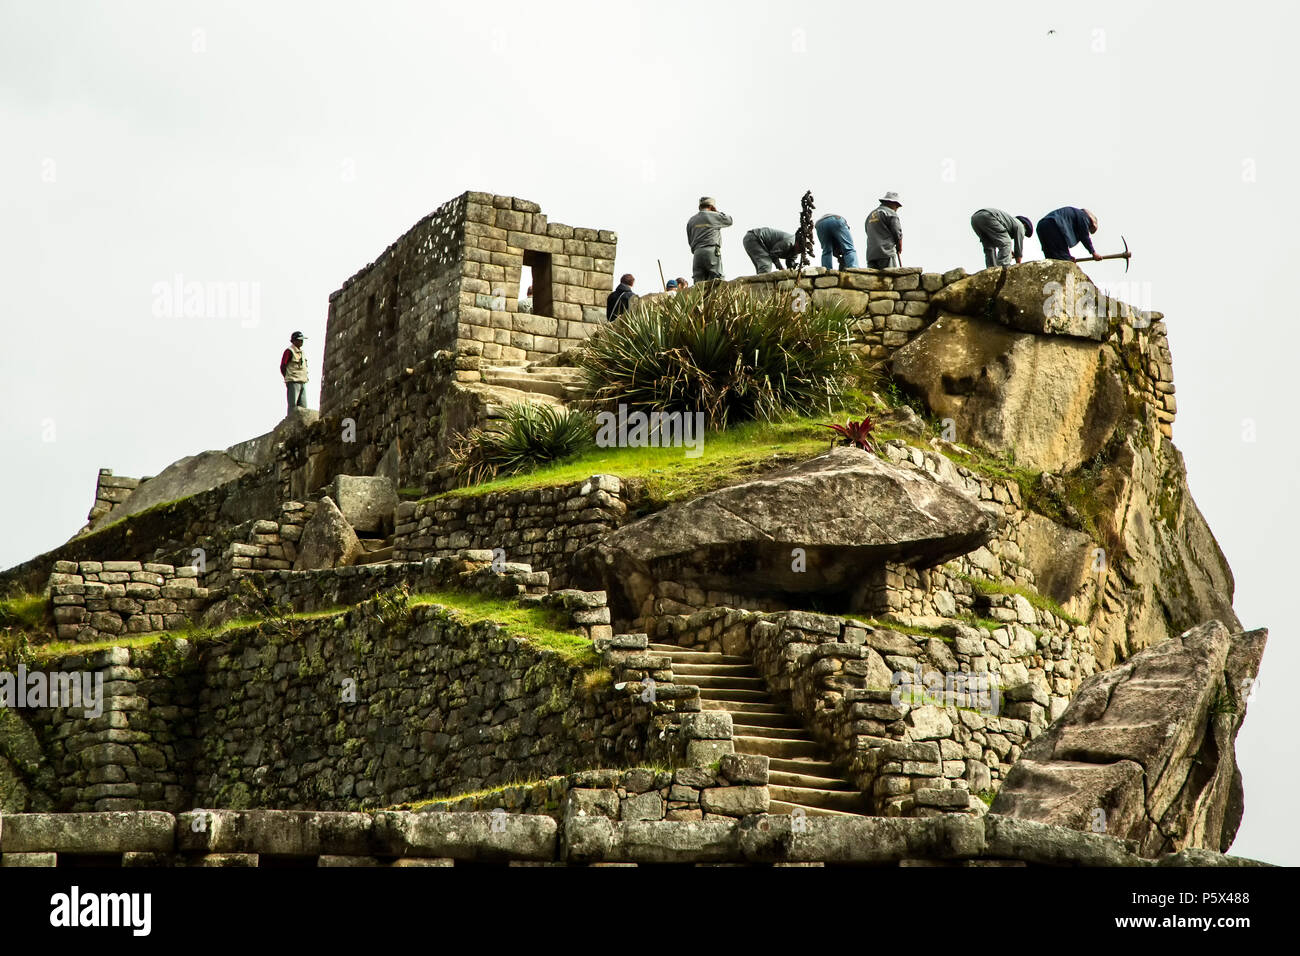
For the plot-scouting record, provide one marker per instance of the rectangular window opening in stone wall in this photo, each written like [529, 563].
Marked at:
[540, 263]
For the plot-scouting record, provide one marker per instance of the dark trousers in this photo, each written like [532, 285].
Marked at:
[1052, 240]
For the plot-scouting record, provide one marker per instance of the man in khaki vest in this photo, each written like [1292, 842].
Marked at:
[293, 367]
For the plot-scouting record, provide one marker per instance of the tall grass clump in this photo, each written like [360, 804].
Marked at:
[725, 352]
[529, 435]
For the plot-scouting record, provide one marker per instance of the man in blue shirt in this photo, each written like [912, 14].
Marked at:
[1061, 229]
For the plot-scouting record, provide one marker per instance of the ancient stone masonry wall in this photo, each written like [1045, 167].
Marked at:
[397, 310]
[453, 279]
[542, 527]
[573, 270]
[391, 702]
[96, 600]
[110, 491]
[165, 534]
[918, 754]
[225, 838]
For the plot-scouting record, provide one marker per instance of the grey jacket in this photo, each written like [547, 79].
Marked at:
[779, 245]
[1012, 226]
[884, 232]
[704, 229]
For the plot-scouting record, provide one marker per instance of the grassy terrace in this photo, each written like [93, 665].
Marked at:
[727, 456]
[544, 628]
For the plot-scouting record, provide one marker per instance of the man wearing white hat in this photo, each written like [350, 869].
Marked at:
[704, 233]
[884, 233]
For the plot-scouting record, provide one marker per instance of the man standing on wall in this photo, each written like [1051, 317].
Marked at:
[704, 233]
[836, 240]
[621, 299]
[1064, 228]
[1002, 235]
[885, 233]
[293, 369]
[766, 246]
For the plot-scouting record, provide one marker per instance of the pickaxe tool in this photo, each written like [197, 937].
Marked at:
[1125, 255]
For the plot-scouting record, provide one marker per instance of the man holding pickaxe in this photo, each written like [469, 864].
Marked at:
[1061, 229]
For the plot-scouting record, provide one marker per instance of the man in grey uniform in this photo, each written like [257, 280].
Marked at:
[765, 245]
[704, 233]
[884, 233]
[1002, 235]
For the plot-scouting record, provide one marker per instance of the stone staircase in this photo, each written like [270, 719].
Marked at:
[378, 550]
[559, 382]
[799, 774]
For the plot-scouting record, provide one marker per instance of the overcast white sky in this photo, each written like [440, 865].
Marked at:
[285, 145]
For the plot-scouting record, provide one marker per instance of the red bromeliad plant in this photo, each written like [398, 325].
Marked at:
[856, 433]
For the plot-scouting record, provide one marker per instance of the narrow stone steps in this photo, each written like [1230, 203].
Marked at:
[771, 747]
[727, 682]
[772, 733]
[807, 781]
[781, 806]
[719, 670]
[525, 383]
[733, 695]
[760, 722]
[844, 801]
[748, 708]
[802, 765]
[378, 556]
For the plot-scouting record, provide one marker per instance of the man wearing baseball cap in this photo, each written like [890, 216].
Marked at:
[293, 369]
[1002, 235]
[884, 233]
[704, 233]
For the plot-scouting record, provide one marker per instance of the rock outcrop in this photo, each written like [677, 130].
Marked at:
[328, 541]
[1052, 401]
[847, 510]
[367, 503]
[1145, 751]
[181, 479]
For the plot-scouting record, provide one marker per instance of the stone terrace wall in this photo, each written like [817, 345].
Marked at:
[396, 838]
[838, 675]
[159, 534]
[96, 600]
[110, 491]
[389, 702]
[542, 527]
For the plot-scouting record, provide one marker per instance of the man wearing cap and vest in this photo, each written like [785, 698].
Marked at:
[704, 233]
[293, 368]
[1064, 228]
[884, 233]
[835, 238]
[766, 246]
[1002, 235]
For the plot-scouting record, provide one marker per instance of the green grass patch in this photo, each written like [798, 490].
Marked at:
[907, 629]
[1039, 601]
[726, 456]
[27, 612]
[545, 628]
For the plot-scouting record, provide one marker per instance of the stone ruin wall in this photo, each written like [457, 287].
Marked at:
[453, 279]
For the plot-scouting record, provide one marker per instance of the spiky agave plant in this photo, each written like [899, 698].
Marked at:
[529, 435]
[725, 352]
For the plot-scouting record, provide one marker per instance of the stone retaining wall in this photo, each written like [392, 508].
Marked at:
[96, 600]
[110, 491]
[542, 527]
[397, 838]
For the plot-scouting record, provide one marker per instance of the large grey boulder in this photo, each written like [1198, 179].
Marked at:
[181, 479]
[1045, 297]
[327, 541]
[1145, 751]
[1054, 402]
[847, 510]
[368, 503]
